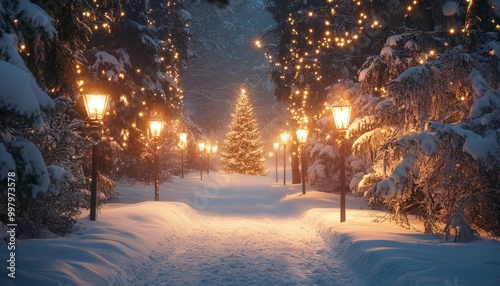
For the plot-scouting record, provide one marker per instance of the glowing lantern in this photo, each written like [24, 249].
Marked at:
[183, 139]
[201, 146]
[95, 105]
[156, 126]
[341, 116]
[302, 135]
[276, 146]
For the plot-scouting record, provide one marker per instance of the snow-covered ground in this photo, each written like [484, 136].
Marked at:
[245, 230]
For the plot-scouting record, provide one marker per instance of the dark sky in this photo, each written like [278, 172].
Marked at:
[226, 60]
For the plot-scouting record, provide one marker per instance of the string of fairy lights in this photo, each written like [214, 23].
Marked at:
[170, 61]
[334, 25]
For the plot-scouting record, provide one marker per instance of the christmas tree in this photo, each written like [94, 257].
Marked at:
[243, 149]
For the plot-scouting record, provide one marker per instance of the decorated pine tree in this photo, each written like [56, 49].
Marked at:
[243, 149]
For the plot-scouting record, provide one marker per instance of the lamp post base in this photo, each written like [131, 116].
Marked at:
[93, 186]
[342, 181]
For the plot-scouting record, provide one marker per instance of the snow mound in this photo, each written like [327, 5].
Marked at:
[387, 51]
[415, 73]
[393, 40]
[450, 8]
[362, 74]
[186, 16]
[20, 95]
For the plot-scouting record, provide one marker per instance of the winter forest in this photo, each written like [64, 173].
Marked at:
[422, 77]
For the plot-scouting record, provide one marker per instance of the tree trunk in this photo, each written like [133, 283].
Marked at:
[295, 162]
[478, 21]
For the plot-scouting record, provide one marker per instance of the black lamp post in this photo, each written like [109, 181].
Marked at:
[183, 145]
[201, 147]
[214, 148]
[302, 137]
[276, 146]
[96, 108]
[284, 136]
[208, 149]
[341, 118]
[155, 127]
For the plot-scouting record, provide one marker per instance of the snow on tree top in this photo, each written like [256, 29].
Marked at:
[21, 95]
[7, 164]
[450, 8]
[37, 17]
[393, 40]
[480, 148]
[411, 45]
[104, 57]
[185, 15]
[358, 122]
[414, 73]
[487, 97]
[387, 51]
[34, 164]
[362, 74]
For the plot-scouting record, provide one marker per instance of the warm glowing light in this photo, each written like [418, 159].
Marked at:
[284, 136]
[302, 135]
[214, 148]
[208, 148]
[183, 137]
[201, 146]
[341, 115]
[156, 126]
[276, 146]
[95, 105]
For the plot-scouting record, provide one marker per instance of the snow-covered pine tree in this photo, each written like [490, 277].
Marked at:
[429, 103]
[139, 52]
[243, 151]
[22, 103]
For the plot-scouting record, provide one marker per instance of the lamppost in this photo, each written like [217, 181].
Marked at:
[201, 147]
[208, 149]
[302, 137]
[214, 148]
[284, 136]
[183, 145]
[341, 118]
[155, 127]
[276, 146]
[96, 107]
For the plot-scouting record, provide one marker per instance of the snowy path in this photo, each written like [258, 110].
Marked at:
[240, 239]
